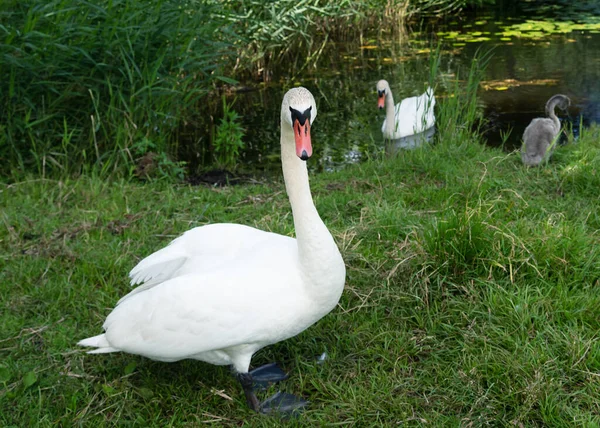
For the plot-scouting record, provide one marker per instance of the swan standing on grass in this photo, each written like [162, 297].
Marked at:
[539, 138]
[221, 292]
[411, 116]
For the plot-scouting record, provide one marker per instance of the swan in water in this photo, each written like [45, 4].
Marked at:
[540, 135]
[411, 116]
[221, 292]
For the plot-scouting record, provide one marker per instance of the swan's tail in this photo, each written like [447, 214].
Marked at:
[98, 342]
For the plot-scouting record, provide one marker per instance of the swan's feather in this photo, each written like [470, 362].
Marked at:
[539, 138]
[98, 342]
[207, 310]
[413, 115]
[193, 315]
[202, 248]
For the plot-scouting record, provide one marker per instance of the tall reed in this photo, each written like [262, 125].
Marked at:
[459, 117]
[295, 31]
[83, 82]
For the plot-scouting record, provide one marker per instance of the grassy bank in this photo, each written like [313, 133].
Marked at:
[472, 295]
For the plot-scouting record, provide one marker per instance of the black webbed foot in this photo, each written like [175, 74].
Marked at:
[267, 375]
[260, 378]
[283, 403]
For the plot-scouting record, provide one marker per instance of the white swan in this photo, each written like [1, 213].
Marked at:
[411, 116]
[221, 292]
[539, 138]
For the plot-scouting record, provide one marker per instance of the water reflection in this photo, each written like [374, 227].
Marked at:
[410, 141]
[536, 57]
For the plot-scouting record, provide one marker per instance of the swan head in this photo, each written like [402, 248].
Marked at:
[299, 110]
[382, 88]
[564, 103]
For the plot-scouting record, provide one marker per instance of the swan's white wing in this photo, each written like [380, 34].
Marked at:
[197, 249]
[258, 303]
[162, 264]
[415, 114]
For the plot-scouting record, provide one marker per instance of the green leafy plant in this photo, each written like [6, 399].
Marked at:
[228, 139]
[151, 164]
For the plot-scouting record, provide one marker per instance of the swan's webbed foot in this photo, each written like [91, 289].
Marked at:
[267, 375]
[260, 378]
[283, 403]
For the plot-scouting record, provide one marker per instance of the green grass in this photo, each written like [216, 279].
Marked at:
[472, 295]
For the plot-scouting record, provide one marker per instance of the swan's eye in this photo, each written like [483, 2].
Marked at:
[300, 116]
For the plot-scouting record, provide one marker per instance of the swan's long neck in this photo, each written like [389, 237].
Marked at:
[317, 250]
[550, 106]
[390, 112]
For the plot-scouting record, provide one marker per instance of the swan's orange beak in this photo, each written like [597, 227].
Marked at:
[381, 101]
[302, 137]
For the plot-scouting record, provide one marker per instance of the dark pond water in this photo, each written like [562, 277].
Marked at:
[537, 52]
